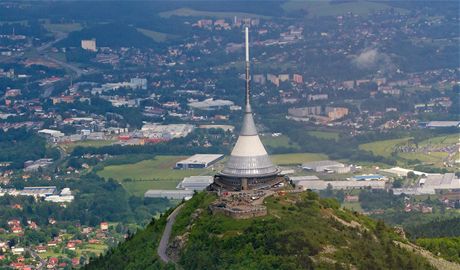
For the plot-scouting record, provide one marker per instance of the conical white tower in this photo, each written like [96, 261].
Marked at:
[249, 163]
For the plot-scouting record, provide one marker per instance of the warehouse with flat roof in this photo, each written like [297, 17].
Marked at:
[341, 185]
[326, 166]
[198, 183]
[199, 161]
[169, 194]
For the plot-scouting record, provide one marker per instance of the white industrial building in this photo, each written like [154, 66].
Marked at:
[326, 166]
[89, 44]
[341, 185]
[197, 183]
[51, 134]
[430, 184]
[199, 161]
[210, 104]
[403, 172]
[296, 179]
[171, 131]
[169, 194]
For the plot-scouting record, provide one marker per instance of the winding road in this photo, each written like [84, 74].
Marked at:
[163, 246]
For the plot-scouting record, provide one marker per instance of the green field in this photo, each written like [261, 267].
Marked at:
[157, 173]
[95, 248]
[156, 36]
[383, 148]
[326, 8]
[325, 135]
[187, 12]
[433, 157]
[386, 147]
[280, 141]
[442, 140]
[297, 158]
[62, 27]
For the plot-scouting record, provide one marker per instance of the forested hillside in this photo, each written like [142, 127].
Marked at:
[301, 231]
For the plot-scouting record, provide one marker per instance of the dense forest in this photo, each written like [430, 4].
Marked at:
[20, 145]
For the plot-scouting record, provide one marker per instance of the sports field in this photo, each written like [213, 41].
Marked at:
[157, 173]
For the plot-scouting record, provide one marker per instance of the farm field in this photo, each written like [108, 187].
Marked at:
[157, 173]
[296, 158]
[188, 12]
[326, 8]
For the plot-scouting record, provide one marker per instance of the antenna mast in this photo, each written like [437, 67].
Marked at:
[248, 105]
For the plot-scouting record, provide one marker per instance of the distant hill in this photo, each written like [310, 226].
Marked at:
[301, 231]
[109, 35]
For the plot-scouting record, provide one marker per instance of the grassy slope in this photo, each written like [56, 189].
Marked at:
[446, 247]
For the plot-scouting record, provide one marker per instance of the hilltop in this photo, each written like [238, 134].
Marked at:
[301, 231]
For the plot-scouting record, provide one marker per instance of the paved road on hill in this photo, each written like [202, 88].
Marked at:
[163, 246]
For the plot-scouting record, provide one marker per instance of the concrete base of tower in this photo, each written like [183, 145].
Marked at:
[225, 182]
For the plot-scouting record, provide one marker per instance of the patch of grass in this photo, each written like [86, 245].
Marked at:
[188, 12]
[433, 157]
[280, 141]
[353, 206]
[326, 8]
[139, 187]
[324, 134]
[156, 36]
[441, 140]
[297, 158]
[383, 148]
[95, 248]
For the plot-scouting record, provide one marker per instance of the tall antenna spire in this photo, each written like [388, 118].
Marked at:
[247, 103]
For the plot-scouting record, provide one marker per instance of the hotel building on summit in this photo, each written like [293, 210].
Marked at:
[249, 166]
